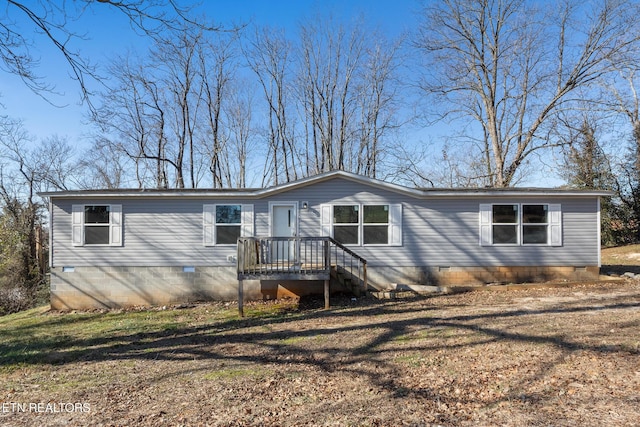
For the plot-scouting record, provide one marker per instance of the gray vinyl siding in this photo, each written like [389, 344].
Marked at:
[157, 232]
[445, 231]
[436, 231]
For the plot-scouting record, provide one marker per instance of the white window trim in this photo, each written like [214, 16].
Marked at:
[554, 224]
[115, 225]
[395, 222]
[517, 224]
[358, 224]
[209, 223]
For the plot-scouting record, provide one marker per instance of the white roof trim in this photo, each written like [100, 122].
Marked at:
[265, 192]
[326, 176]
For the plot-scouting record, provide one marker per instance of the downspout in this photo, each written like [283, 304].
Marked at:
[50, 238]
[599, 234]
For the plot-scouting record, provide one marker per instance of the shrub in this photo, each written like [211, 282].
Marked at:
[14, 299]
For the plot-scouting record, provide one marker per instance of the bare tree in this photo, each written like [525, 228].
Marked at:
[25, 170]
[509, 65]
[349, 91]
[48, 23]
[104, 166]
[177, 59]
[377, 102]
[57, 157]
[132, 120]
[586, 165]
[268, 56]
[330, 59]
[240, 126]
[217, 61]
[167, 110]
[624, 101]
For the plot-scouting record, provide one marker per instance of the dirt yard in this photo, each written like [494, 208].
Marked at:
[532, 357]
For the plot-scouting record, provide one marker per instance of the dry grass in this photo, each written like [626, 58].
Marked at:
[567, 356]
[621, 255]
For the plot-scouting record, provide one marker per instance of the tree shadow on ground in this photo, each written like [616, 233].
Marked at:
[200, 341]
[379, 325]
[620, 269]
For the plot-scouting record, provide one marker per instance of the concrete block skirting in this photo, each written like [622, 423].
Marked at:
[449, 275]
[113, 287]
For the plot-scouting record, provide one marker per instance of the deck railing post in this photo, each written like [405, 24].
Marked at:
[327, 269]
[327, 256]
[242, 247]
[240, 256]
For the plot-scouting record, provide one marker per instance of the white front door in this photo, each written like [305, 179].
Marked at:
[284, 223]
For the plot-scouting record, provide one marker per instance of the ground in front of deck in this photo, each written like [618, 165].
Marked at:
[527, 356]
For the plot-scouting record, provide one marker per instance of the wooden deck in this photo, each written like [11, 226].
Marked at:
[297, 258]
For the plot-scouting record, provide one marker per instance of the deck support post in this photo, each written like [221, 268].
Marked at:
[365, 286]
[241, 298]
[327, 268]
[326, 294]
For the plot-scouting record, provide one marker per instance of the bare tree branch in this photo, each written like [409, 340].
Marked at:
[151, 18]
[511, 65]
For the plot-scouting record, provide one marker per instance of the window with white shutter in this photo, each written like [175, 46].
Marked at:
[521, 224]
[362, 224]
[96, 225]
[223, 224]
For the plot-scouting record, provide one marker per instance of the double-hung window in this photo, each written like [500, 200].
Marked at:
[363, 224]
[505, 224]
[224, 223]
[346, 224]
[520, 224]
[97, 225]
[535, 224]
[375, 225]
[228, 224]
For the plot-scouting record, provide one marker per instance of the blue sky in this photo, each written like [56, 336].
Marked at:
[108, 34]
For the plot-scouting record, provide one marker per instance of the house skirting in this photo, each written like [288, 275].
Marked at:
[113, 287]
[79, 288]
[382, 278]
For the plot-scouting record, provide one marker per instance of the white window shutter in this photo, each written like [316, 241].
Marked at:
[246, 214]
[555, 225]
[77, 225]
[209, 224]
[485, 224]
[115, 225]
[326, 221]
[395, 225]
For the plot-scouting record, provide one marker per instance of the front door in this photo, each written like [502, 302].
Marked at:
[284, 223]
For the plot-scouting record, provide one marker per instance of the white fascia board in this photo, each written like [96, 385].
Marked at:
[260, 193]
[516, 193]
[147, 194]
[326, 176]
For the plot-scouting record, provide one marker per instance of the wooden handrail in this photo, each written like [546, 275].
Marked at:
[347, 250]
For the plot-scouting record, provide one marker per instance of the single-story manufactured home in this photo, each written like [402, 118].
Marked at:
[113, 248]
